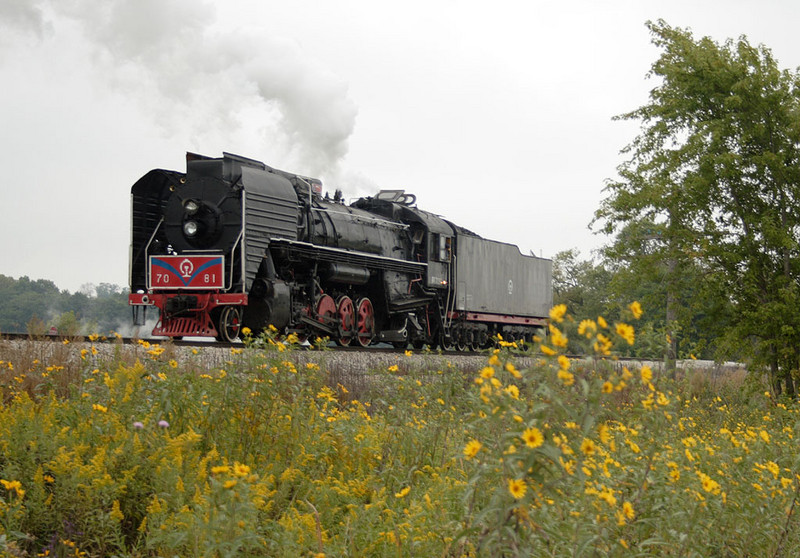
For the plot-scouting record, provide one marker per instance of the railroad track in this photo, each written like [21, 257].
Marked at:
[358, 357]
[375, 349]
[102, 339]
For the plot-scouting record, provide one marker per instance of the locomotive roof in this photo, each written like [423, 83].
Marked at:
[396, 204]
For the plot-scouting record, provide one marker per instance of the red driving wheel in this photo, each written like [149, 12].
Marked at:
[347, 321]
[326, 309]
[365, 322]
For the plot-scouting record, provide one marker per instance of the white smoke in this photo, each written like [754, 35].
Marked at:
[128, 329]
[193, 76]
[352, 183]
[23, 16]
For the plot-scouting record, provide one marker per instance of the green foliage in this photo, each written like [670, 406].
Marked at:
[706, 201]
[589, 288]
[581, 284]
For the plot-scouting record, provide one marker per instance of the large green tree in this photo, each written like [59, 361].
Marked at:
[712, 186]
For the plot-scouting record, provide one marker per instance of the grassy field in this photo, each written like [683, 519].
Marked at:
[148, 451]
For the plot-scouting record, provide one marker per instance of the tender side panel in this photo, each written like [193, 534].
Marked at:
[494, 277]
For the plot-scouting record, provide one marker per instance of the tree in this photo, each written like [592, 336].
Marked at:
[712, 185]
[581, 285]
[67, 324]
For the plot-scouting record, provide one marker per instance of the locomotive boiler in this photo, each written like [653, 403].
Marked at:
[234, 243]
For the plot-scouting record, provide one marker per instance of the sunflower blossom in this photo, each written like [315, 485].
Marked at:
[472, 448]
[517, 488]
[557, 312]
[626, 332]
[533, 437]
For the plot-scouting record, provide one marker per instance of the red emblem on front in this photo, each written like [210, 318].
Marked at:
[187, 272]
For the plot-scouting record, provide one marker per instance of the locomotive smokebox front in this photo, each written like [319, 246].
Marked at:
[203, 213]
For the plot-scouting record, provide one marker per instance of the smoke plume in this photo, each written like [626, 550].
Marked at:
[193, 75]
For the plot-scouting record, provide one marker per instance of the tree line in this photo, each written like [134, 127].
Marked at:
[37, 306]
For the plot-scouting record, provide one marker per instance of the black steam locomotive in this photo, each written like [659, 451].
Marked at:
[233, 243]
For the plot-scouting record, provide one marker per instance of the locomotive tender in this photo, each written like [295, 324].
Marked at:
[234, 243]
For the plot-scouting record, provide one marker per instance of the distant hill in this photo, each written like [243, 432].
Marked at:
[37, 306]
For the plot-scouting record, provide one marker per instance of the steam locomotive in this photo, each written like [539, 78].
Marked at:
[234, 243]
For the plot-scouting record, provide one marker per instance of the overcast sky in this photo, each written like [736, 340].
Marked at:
[497, 115]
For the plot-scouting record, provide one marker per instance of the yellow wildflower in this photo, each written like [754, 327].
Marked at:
[773, 468]
[567, 378]
[241, 470]
[533, 437]
[557, 312]
[603, 344]
[636, 309]
[604, 434]
[511, 369]
[472, 448]
[709, 484]
[627, 509]
[557, 338]
[116, 514]
[14, 485]
[626, 332]
[587, 328]
[517, 488]
[403, 492]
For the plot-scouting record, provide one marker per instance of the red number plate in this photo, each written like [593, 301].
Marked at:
[187, 272]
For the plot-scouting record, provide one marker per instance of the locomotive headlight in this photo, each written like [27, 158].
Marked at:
[191, 207]
[190, 229]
